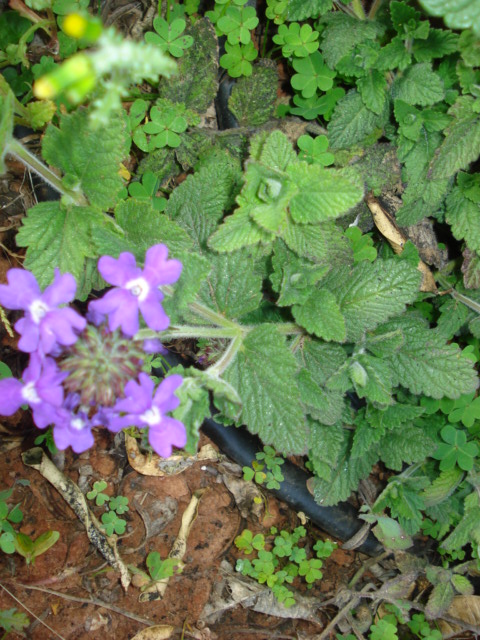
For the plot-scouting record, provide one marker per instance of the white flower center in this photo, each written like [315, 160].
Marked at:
[38, 310]
[138, 288]
[29, 393]
[152, 417]
[77, 423]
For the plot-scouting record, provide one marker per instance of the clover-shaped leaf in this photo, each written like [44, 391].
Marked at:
[113, 524]
[96, 493]
[164, 126]
[7, 542]
[119, 504]
[324, 548]
[314, 150]
[455, 450]
[237, 59]
[310, 569]
[147, 190]
[311, 108]
[169, 36]
[312, 74]
[237, 23]
[296, 40]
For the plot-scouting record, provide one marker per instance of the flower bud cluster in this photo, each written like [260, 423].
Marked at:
[83, 374]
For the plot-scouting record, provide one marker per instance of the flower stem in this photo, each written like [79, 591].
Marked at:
[471, 304]
[186, 331]
[227, 358]
[16, 148]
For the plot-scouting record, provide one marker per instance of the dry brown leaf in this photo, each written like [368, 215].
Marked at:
[154, 465]
[157, 632]
[467, 610]
[387, 226]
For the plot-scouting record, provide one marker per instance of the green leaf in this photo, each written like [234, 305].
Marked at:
[455, 450]
[193, 409]
[194, 273]
[90, 158]
[368, 294]
[237, 59]
[352, 122]
[321, 315]
[322, 193]
[461, 145]
[168, 37]
[237, 231]
[457, 15]
[312, 74]
[463, 215]
[376, 384]
[442, 487]
[233, 287]
[252, 100]
[304, 9]
[13, 620]
[322, 404]
[237, 23]
[345, 476]
[314, 150]
[263, 373]
[440, 599]
[343, 32]
[30, 549]
[58, 236]
[198, 203]
[419, 85]
[408, 445]
[373, 89]
[426, 364]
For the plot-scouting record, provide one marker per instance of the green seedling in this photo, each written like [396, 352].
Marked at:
[13, 620]
[296, 40]
[7, 517]
[312, 74]
[455, 450]
[97, 493]
[237, 23]
[31, 549]
[238, 58]
[265, 469]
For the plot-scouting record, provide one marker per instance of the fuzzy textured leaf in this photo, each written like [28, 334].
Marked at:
[419, 85]
[90, 158]
[57, 236]
[263, 373]
[321, 315]
[427, 364]
[369, 294]
[352, 122]
[463, 216]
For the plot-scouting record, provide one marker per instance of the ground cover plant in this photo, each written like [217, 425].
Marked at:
[322, 254]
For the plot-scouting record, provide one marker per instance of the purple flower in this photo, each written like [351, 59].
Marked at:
[143, 410]
[136, 290]
[41, 390]
[73, 427]
[44, 326]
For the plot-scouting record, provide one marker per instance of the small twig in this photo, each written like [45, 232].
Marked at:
[95, 602]
[31, 612]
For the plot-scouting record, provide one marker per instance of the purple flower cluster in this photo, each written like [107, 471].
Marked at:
[52, 334]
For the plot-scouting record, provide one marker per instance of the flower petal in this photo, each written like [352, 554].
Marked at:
[11, 397]
[21, 290]
[61, 290]
[153, 313]
[164, 398]
[171, 433]
[119, 271]
[159, 270]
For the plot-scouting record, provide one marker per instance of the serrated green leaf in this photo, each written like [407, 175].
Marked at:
[237, 231]
[322, 404]
[345, 476]
[233, 287]
[322, 243]
[352, 122]
[197, 207]
[442, 487]
[195, 269]
[457, 15]
[322, 193]
[461, 145]
[321, 315]
[409, 444]
[419, 85]
[463, 216]
[274, 150]
[263, 373]
[139, 226]
[90, 158]
[377, 386]
[57, 236]
[373, 89]
[370, 293]
[194, 407]
[439, 601]
[304, 9]
[343, 32]
[13, 620]
[427, 364]
[324, 447]
[252, 100]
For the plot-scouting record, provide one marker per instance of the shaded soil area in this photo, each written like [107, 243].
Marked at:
[71, 589]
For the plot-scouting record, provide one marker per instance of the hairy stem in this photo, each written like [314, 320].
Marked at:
[188, 331]
[16, 148]
[227, 358]
[471, 304]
